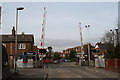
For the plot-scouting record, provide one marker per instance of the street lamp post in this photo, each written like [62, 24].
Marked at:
[88, 26]
[115, 44]
[113, 40]
[17, 9]
[113, 37]
[116, 36]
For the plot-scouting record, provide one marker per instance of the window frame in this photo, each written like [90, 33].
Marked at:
[22, 46]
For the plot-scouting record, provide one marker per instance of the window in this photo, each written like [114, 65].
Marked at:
[22, 46]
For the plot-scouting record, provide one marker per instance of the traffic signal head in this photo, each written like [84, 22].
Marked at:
[95, 51]
[42, 51]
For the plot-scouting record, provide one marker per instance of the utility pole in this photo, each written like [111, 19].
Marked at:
[0, 45]
[81, 48]
[0, 16]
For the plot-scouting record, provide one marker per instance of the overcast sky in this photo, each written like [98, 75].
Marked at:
[62, 23]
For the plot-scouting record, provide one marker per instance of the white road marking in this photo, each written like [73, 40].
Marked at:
[67, 65]
[63, 71]
[78, 76]
[45, 77]
[86, 67]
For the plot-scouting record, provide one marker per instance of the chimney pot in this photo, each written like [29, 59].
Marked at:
[23, 33]
[13, 31]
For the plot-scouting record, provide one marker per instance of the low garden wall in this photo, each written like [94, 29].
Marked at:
[113, 65]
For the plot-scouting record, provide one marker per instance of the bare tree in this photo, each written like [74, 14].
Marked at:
[108, 37]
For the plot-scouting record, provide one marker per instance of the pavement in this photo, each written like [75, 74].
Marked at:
[28, 73]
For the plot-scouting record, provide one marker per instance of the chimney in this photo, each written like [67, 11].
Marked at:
[13, 31]
[23, 33]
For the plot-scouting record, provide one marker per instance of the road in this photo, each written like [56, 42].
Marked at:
[68, 70]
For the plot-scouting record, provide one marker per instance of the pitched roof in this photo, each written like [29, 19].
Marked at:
[101, 46]
[20, 38]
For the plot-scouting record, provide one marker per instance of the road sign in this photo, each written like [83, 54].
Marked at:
[29, 53]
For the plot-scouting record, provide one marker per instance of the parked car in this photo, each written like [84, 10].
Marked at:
[56, 61]
[61, 60]
[67, 60]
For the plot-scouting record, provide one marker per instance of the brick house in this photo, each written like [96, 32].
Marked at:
[25, 43]
[77, 49]
[67, 52]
